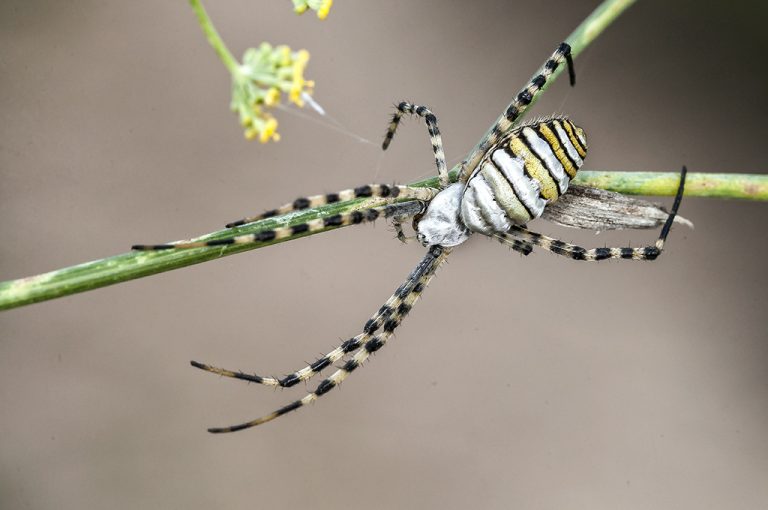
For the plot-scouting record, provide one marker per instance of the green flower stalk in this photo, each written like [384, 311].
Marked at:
[266, 74]
[323, 7]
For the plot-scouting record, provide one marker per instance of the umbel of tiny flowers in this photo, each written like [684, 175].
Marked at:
[266, 74]
[323, 7]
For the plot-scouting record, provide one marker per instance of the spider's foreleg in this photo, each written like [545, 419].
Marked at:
[578, 253]
[519, 105]
[373, 324]
[372, 191]
[421, 275]
[434, 135]
[284, 233]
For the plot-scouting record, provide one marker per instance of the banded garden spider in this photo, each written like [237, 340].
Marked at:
[503, 184]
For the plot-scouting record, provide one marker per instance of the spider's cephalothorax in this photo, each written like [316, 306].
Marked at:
[515, 180]
[504, 183]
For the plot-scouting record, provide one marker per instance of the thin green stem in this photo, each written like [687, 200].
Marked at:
[129, 266]
[594, 25]
[740, 186]
[214, 39]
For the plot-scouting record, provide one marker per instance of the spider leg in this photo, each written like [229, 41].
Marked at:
[385, 191]
[434, 135]
[397, 223]
[369, 329]
[518, 106]
[422, 275]
[594, 254]
[284, 233]
[523, 247]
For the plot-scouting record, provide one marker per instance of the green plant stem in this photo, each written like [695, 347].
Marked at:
[214, 39]
[128, 266]
[741, 186]
[605, 14]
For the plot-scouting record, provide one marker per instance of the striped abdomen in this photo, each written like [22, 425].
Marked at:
[529, 168]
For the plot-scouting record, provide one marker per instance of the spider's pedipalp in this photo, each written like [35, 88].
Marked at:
[397, 224]
[434, 135]
[372, 191]
[284, 233]
[421, 276]
[377, 320]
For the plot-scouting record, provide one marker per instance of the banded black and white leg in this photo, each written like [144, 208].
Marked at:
[519, 105]
[401, 209]
[383, 314]
[371, 191]
[595, 254]
[524, 247]
[434, 135]
[422, 275]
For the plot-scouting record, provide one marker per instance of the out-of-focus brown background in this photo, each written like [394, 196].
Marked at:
[560, 385]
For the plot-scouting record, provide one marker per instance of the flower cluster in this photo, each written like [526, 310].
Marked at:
[265, 74]
[323, 7]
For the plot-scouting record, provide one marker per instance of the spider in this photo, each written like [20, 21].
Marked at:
[503, 184]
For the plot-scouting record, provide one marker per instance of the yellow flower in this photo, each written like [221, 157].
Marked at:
[300, 62]
[272, 97]
[298, 83]
[246, 120]
[264, 76]
[295, 96]
[284, 56]
[269, 131]
[324, 9]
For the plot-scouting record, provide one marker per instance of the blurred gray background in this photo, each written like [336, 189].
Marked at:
[562, 385]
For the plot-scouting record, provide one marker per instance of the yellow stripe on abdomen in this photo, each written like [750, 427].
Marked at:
[551, 139]
[535, 168]
[571, 130]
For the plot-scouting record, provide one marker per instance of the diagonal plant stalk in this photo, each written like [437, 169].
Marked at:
[214, 39]
[594, 24]
[132, 265]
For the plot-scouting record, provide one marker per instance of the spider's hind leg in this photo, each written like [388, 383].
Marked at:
[523, 247]
[594, 254]
[377, 320]
[421, 276]
[434, 135]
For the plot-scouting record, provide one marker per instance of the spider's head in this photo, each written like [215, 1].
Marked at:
[440, 223]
